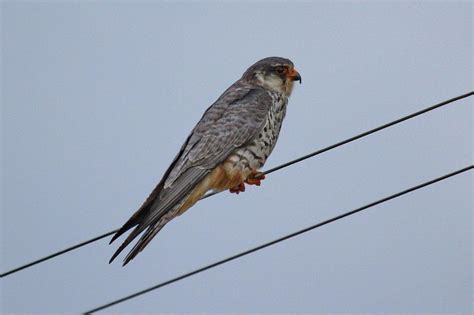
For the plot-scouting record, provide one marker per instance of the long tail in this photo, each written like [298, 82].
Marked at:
[145, 219]
[150, 233]
[136, 219]
[157, 211]
[143, 222]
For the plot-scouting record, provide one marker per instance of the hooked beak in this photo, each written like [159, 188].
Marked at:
[293, 75]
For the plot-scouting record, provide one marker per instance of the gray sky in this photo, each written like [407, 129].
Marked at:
[98, 98]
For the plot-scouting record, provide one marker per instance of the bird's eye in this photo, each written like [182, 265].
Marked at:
[280, 70]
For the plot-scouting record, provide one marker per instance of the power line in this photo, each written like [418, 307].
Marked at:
[58, 253]
[281, 239]
[364, 134]
[361, 135]
[328, 148]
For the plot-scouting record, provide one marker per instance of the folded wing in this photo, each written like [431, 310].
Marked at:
[231, 122]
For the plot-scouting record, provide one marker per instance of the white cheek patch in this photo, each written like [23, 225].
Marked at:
[274, 83]
[271, 82]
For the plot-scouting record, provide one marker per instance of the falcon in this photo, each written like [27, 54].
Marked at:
[225, 150]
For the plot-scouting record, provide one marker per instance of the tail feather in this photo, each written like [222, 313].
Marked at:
[140, 214]
[144, 219]
[141, 217]
[144, 240]
[127, 241]
[133, 221]
[137, 219]
[157, 211]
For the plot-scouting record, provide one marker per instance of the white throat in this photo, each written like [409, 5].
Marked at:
[272, 83]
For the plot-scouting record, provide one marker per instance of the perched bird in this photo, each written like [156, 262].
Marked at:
[225, 149]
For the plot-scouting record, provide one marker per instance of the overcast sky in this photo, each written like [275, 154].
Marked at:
[97, 98]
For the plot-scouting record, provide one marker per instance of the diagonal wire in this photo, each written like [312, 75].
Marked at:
[328, 148]
[361, 135]
[281, 239]
[92, 240]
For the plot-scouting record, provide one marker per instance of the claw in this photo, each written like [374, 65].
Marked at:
[253, 181]
[237, 189]
[255, 178]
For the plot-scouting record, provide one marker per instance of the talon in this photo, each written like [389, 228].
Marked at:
[253, 181]
[237, 189]
[255, 178]
[234, 191]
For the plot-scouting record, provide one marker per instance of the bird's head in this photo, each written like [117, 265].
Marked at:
[273, 73]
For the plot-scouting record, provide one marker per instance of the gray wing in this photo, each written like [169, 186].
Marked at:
[231, 122]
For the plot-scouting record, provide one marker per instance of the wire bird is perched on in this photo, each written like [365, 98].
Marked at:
[225, 149]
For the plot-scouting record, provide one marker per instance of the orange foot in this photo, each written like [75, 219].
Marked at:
[237, 189]
[255, 178]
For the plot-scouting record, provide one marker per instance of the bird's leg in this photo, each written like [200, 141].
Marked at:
[255, 178]
[237, 189]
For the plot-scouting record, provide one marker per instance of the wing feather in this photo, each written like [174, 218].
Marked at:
[231, 122]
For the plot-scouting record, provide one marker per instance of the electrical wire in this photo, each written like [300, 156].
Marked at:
[58, 253]
[281, 239]
[328, 148]
[362, 135]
